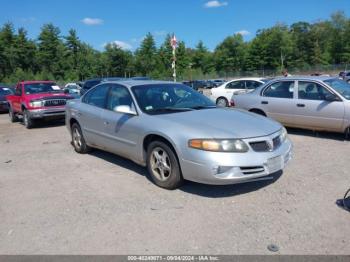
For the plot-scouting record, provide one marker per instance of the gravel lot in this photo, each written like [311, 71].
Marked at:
[55, 201]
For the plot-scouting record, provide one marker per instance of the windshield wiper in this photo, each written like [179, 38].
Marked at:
[171, 109]
[202, 107]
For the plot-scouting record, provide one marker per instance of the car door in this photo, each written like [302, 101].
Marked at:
[121, 130]
[313, 111]
[234, 88]
[89, 115]
[277, 101]
[16, 102]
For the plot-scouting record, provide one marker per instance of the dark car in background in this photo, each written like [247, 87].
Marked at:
[95, 81]
[196, 84]
[4, 91]
[345, 75]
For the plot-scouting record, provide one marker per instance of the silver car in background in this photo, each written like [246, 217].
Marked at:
[177, 133]
[316, 103]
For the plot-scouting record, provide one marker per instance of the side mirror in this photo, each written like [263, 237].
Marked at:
[125, 110]
[66, 91]
[331, 98]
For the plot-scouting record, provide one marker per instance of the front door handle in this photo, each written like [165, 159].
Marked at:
[264, 102]
[106, 123]
[300, 105]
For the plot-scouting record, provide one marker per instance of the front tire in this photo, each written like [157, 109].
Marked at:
[163, 166]
[222, 102]
[27, 121]
[78, 140]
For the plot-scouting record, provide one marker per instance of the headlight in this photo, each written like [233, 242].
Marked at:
[284, 134]
[219, 145]
[36, 103]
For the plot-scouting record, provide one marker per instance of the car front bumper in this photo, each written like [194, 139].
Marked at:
[47, 113]
[232, 168]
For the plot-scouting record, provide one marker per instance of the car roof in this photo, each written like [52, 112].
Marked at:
[131, 83]
[247, 78]
[316, 78]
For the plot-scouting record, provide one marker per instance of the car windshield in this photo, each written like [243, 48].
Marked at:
[36, 88]
[4, 91]
[340, 86]
[169, 98]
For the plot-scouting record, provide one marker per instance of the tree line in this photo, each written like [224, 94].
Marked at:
[67, 58]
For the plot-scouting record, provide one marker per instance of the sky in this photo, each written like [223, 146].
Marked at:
[126, 22]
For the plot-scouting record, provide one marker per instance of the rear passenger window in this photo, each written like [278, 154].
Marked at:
[252, 84]
[235, 85]
[283, 89]
[311, 91]
[97, 96]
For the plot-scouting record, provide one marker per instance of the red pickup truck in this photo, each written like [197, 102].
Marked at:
[37, 100]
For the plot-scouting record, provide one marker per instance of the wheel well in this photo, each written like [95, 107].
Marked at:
[257, 111]
[150, 138]
[221, 97]
[72, 121]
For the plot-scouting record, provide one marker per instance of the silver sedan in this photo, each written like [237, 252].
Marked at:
[177, 133]
[316, 103]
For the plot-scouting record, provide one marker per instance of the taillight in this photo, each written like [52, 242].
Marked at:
[232, 103]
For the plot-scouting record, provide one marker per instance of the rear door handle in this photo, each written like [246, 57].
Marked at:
[300, 105]
[106, 123]
[264, 102]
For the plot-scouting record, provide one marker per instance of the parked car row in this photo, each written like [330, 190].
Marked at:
[180, 134]
[204, 84]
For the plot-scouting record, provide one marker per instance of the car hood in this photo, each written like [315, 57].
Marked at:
[222, 123]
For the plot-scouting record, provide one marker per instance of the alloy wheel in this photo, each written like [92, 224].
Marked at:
[222, 102]
[160, 164]
[77, 138]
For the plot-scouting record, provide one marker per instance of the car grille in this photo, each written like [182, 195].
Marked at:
[263, 146]
[55, 102]
[251, 170]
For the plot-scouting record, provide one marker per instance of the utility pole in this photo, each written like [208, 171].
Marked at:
[173, 43]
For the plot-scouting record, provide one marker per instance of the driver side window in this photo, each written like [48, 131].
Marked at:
[118, 96]
[311, 91]
[235, 85]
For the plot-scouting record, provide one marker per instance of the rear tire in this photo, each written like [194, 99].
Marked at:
[78, 140]
[347, 134]
[222, 102]
[163, 166]
[27, 121]
[12, 115]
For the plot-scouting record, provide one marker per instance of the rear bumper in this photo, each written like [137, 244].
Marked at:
[47, 113]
